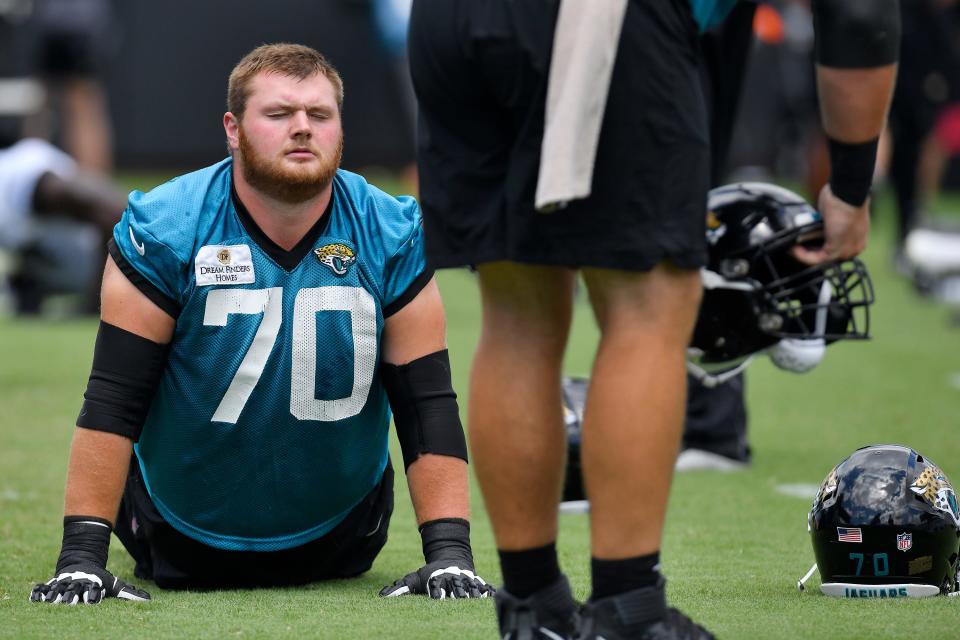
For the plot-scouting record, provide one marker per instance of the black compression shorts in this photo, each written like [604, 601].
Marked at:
[480, 70]
[175, 561]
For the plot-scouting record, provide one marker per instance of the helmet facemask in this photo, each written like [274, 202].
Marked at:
[759, 299]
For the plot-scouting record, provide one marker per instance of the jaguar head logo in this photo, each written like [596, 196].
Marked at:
[928, 484]
[827, 487]
[337, 257]
[932, 485]
[715, 228]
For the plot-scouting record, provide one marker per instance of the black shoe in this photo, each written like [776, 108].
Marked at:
[641, 614]
[548, 614]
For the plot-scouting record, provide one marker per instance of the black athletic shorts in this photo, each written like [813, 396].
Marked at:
[175, 561]
[69, 54]
[74, 37]
[480, 70]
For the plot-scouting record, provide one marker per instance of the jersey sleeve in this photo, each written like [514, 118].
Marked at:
[146, 259]
[406, 272]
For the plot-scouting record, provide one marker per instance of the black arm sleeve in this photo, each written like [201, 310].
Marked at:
[425, 407]
[125, 375]
[857, 34]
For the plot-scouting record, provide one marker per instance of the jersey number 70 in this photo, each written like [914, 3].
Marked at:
[221, 303]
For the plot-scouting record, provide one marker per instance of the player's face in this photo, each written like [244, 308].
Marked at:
[290, 139]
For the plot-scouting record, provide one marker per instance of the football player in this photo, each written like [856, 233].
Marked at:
[557, 137]
[260, 319]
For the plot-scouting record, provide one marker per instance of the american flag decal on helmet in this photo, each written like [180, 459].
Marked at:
[848, 534]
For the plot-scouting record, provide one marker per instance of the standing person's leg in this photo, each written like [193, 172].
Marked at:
[631, 432]
[517, 436]
[635, 407]
[907, 137]
[481, 77]
[88, 132]
[74, 42]
[516, 412]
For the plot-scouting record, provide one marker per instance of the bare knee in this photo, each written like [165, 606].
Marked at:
[528, 306]
[663, 300]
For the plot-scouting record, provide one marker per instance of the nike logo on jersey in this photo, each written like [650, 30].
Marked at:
[141, 249]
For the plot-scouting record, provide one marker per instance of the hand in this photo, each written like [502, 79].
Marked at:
[845, 230]
[87, 584]
[440, 580]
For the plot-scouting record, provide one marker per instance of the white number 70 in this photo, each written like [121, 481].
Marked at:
[221, 303]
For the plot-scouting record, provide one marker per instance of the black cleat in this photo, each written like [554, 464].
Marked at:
[548, 614]
[641, 614]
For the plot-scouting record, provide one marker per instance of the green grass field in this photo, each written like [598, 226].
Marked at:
[735, 545]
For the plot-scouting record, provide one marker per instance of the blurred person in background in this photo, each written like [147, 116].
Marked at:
[940, 147]
[925, 133]
[20, 94]
[776, 120]
[929, 80]
[931, 248]
[764, 126]
[391, 20]
[73, 40]
[715, 423]
[55, 221]
[55, 216]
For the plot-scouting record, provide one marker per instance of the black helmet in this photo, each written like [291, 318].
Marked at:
[758, 297]
[885, 523]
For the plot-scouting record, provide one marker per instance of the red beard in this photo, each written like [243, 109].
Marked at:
[291, 185]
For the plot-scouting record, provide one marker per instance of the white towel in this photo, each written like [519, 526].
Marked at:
[585, 44]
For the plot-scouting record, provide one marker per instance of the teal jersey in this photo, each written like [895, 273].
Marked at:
[709, 13]
[270, 422]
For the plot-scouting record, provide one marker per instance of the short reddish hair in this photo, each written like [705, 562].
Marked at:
[294, 60]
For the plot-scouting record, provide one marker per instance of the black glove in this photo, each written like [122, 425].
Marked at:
[81, 575]
[449, 571]
[87, 584]
[440, 581]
